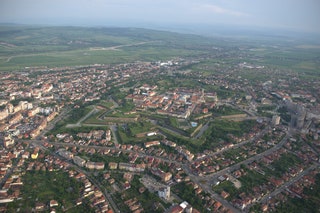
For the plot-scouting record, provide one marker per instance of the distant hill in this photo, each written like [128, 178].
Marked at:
[28, 46]
[67, 38]
[53, 46]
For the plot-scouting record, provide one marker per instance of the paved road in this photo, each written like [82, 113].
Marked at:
[113, 129]
[207, 188]
[215, 175]
[140, 154]
[51, 125]
[256, 137]
[202, 130]
[251, 113]
[120, 46]
[204, 182]
[115, 104]
[9, 58]
[10, 171]
[286, 184]
[78, 124]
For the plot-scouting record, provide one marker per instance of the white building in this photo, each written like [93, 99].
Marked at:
[79, 161]
[275, 120]
[164, 193]
[64, 153]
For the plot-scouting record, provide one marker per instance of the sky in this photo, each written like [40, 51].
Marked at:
[298, 15]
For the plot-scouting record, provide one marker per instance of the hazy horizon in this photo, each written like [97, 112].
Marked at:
[292, 15]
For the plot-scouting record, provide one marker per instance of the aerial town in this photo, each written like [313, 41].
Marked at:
[163, 136]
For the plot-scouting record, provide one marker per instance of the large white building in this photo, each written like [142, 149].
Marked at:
[64, 153]
[164, 193]
[275, 120]
[79, 161]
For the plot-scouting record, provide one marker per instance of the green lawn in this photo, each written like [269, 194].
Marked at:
[220, 131]
[140, 127]
[128, 134]
[311, 204]
[67, 46]
[107, 104]
[226, 186]
[248, 181]
[45, 186]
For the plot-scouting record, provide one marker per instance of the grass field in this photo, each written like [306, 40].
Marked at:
[45, 186]
[27, 46]
[86, 56]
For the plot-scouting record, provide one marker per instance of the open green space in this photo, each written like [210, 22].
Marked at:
[106, 104]
[311, 204]
[45, 186]
[281, 166]
[221, 130]
[226, 186]
[72, 58]
[284, 114]
[149, 201]
[74, 116]
[253, 178]
[28, 46]
[285, 162]
[61, 128]
[266, 110]
[104, 158]
[96, 118]
[135, 132]
[234, 154]
[290, 57]
[248, 182]
[216, 70]
[140, 127]
[77, 113]
[187, 193]
[225, 110]
[191, 144]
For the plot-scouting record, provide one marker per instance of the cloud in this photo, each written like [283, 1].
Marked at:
[219, 10]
